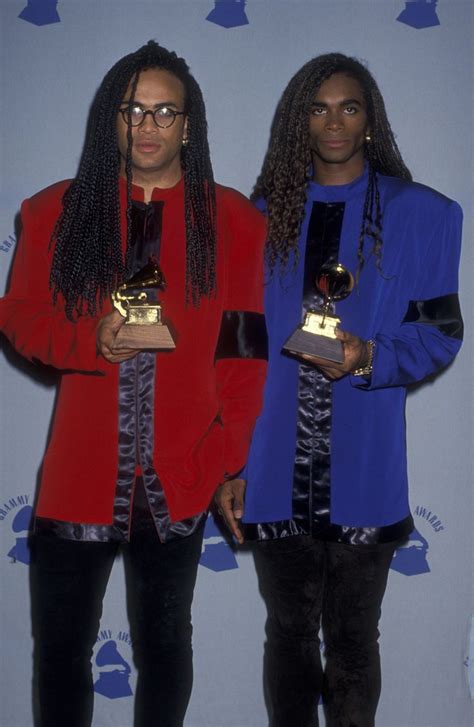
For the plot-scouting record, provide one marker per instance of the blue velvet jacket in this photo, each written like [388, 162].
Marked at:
[412, 313]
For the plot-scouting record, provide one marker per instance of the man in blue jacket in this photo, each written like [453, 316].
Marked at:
[326, 491]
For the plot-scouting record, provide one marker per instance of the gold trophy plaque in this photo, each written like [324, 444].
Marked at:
[317, 335]
[143, 328]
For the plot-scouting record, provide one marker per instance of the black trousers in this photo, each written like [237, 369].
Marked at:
[306, 584]
[68, 582]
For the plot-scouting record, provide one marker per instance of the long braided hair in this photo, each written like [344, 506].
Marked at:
[87, 260]
[286, 168]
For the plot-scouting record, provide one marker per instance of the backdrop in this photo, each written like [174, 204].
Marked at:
[53, 56]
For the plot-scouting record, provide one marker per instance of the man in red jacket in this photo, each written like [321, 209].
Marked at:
[140, 440]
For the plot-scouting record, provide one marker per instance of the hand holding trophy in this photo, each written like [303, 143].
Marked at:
[143, 327]
[317, 335]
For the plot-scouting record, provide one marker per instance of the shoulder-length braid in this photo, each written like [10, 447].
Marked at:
[199, 199]
[286, 168]
[87, 259]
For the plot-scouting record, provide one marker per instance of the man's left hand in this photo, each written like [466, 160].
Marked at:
[356, 355]
[229, 499]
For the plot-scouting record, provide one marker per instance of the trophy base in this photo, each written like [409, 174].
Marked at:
[301, 341]
[152, 337]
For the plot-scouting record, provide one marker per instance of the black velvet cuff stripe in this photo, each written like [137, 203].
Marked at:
[444, 313]
[243, 334]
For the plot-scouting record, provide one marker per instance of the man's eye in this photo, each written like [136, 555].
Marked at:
[135, 111]
[351, 110]
[318, 110]
[164, 113]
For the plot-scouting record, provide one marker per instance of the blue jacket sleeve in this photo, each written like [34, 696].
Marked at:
[430, 334]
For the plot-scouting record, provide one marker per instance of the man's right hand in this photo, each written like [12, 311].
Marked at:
[107, 330]
[229, 499]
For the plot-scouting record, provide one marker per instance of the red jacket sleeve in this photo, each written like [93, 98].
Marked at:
[242, 351]
[39, 330]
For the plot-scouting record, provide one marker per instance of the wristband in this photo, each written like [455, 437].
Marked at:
[367, 369]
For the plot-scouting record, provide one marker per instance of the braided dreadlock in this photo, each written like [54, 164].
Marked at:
[286, 168]
[87, 260]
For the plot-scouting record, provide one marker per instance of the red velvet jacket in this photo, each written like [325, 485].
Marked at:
[206, 393]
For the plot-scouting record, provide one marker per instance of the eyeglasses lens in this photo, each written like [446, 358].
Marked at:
[134, 115]
[164, 117]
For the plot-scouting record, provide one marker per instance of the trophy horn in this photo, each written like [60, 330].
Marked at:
[150, 276]
[335, 281]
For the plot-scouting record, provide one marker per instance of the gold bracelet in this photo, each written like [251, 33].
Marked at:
[367, 369]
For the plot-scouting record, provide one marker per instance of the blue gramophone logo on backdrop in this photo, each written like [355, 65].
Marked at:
[228, 13]
[217, 555]
[40, 12]
[20, 553]
[17, 512]
[411, 558]
[111, 664]
[419, 14]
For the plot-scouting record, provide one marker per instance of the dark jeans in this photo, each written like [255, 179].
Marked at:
[307, 583]
[68, 582]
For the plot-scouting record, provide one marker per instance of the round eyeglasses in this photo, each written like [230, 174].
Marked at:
[163, 116]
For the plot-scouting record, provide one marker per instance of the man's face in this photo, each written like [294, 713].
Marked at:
[155, 151]
[338, 124]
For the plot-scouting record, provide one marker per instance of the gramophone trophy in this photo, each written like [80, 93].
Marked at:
[143, 327]
[317, 335]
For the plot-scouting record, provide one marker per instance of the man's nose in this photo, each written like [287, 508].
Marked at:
[334, 120]
[148, 123]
